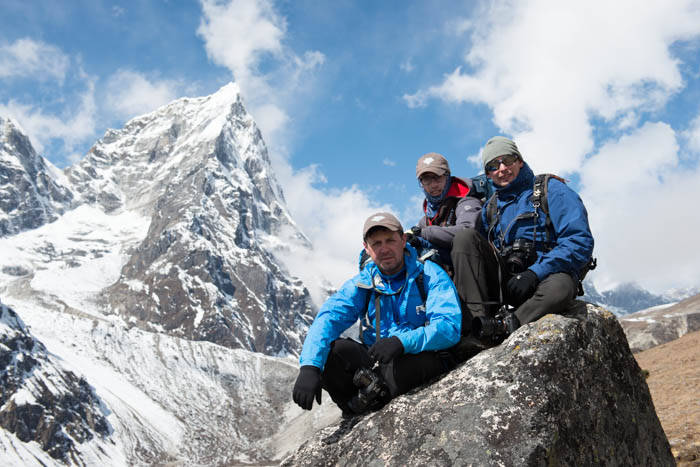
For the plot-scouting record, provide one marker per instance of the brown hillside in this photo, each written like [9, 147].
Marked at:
[674, 382]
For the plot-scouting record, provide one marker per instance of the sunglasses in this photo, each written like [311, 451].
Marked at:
[494, 164]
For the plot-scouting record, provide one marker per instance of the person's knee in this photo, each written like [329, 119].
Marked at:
[561, 289]
[464, 241]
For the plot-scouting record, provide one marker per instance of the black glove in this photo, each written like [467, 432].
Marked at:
[387, 349]
[412, 237]
[521, 286]
[307, 386]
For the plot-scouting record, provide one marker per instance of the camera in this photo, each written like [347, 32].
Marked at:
[519, 256]
[495, 328]
[372, 391]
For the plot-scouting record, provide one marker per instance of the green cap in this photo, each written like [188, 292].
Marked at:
[498, 146]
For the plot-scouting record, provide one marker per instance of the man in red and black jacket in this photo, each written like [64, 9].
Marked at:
[447, 208]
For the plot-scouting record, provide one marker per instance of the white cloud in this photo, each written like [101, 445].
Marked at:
[558, 75]
[388, 162]
[546, 67]
[640, 202]
[237, 34]
[332, 220]
[242, 34]
[41, 127]
[693, 135]
[130, 94]
[28, 58]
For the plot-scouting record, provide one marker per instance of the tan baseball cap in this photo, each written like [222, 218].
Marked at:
[432, 162]
[381, 219]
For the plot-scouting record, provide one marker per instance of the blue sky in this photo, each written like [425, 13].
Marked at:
[349, 94]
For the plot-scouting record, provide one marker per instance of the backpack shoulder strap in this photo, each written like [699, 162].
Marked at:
[420, 281]
[491, 211]
[539, 200]
[539, 192]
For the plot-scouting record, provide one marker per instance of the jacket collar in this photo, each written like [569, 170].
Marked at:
[371, 275]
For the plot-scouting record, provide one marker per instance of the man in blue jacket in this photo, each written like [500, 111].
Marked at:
[401, 350]
[519, 255]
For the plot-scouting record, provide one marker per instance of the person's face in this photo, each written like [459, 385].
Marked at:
[385, 247]
[503, 169]
[432, 183]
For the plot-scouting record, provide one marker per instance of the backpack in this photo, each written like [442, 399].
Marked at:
[539, 200]
[481, 187]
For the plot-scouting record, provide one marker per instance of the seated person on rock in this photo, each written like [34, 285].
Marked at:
[447, 208]
[404, 331]
[523, 253]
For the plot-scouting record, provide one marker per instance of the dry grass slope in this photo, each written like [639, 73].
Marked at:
[674, 382]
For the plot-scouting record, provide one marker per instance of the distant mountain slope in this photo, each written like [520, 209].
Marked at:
[656, 326]
[44, 404]
[629, 297]
[32, 191]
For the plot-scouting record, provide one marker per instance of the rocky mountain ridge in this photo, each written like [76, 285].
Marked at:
[629, 297]
[197, 173]
[154, 281]
[32, 191]
[655, 326]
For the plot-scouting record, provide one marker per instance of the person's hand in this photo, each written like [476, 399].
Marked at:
[307, 386]
[521, 286]
[413, 237]
[387, 349]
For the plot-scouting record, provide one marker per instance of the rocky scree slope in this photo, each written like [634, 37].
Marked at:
[44, 403]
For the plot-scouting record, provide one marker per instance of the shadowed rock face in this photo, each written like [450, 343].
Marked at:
[29, 196]
[39, 401]
[561, 391]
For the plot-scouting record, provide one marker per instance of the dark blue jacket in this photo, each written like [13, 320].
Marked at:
[571, 242]
[435, 325]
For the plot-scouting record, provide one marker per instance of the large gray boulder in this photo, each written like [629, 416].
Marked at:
[565, 390]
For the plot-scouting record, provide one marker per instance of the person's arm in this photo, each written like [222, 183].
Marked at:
[467, 211]
[573, 239]
[337, 314]
[442, 312]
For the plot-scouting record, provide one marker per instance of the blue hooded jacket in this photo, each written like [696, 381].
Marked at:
[571, 241]
[435, 326]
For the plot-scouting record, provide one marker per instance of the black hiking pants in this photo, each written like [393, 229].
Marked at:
[476, 268]
[402, 374]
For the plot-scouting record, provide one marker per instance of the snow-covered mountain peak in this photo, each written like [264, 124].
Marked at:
[32, 191]
[133, 167]
[161, 269]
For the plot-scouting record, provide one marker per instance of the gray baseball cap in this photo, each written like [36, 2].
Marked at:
[498, 146]
[432, 162]
[381, 219]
